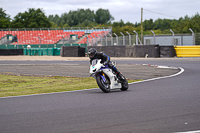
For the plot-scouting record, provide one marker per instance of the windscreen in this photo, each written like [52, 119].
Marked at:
[94, 62]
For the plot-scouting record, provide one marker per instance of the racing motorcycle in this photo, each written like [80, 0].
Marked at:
[106, 78]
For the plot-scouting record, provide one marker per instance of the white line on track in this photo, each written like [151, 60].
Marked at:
[198, 131]
[181, 71]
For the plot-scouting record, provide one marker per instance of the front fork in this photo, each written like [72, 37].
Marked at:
[101, 74]
[103, 77]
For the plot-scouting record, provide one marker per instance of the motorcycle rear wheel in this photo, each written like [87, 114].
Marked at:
[104, 86]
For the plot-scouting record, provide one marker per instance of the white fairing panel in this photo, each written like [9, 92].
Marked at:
[114, 84]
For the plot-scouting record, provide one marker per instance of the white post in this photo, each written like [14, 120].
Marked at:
[129, 38]
[123, 38]
[95, 39]
[173, 36]
[63, 40]
[39, 40]
[193, 35]
[111, 39]
[87, 40]
[136, 37]
[116, 38]
[154, 37]
[100, 38]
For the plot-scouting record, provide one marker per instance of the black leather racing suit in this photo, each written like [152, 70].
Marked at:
[105, 59]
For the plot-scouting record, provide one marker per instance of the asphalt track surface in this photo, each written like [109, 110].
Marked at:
[165, 105]
[81, 69]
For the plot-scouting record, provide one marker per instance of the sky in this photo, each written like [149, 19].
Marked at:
[127, 10]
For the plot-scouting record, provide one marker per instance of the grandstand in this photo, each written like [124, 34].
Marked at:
[96, 34]
[29, 37]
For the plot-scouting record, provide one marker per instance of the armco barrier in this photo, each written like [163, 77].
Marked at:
[187, 51]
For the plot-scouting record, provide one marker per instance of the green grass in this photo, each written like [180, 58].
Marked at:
[11, 85]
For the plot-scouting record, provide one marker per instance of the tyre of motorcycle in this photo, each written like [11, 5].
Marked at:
[125, 85]
[105, 87]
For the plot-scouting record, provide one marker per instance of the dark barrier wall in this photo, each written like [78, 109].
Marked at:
[112, 51]
[142, 51]
[72, 51]
[11, 51]
[167, 51]
[129, 51]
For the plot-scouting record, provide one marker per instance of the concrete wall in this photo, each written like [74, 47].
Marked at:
[129, 51]
[11, 52]
[167, 51]
[152, 51]
[72, 51]
[142, 51]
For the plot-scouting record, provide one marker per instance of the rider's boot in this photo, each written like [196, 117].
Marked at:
[120, 76]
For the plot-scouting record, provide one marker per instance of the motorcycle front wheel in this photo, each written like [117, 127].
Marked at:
[125, 85]
[104, 86]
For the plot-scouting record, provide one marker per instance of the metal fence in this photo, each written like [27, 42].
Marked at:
[133, 38]
[162, 40]
[110, 40]
[166, 40]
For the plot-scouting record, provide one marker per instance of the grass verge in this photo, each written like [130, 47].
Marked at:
[12, 85]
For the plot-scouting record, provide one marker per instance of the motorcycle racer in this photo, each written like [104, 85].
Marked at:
[105, 59]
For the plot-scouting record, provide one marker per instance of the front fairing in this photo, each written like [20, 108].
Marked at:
[96, 68]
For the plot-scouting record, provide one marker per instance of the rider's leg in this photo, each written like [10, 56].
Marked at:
[116, 71]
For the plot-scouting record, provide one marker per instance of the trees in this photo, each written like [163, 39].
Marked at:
[56, 20]
[195, 23]
[82, 18]
[148, 24]
[4, 19]
[103, 16]
[33, 18]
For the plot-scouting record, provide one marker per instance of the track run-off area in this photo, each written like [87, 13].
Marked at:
[163, 103]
